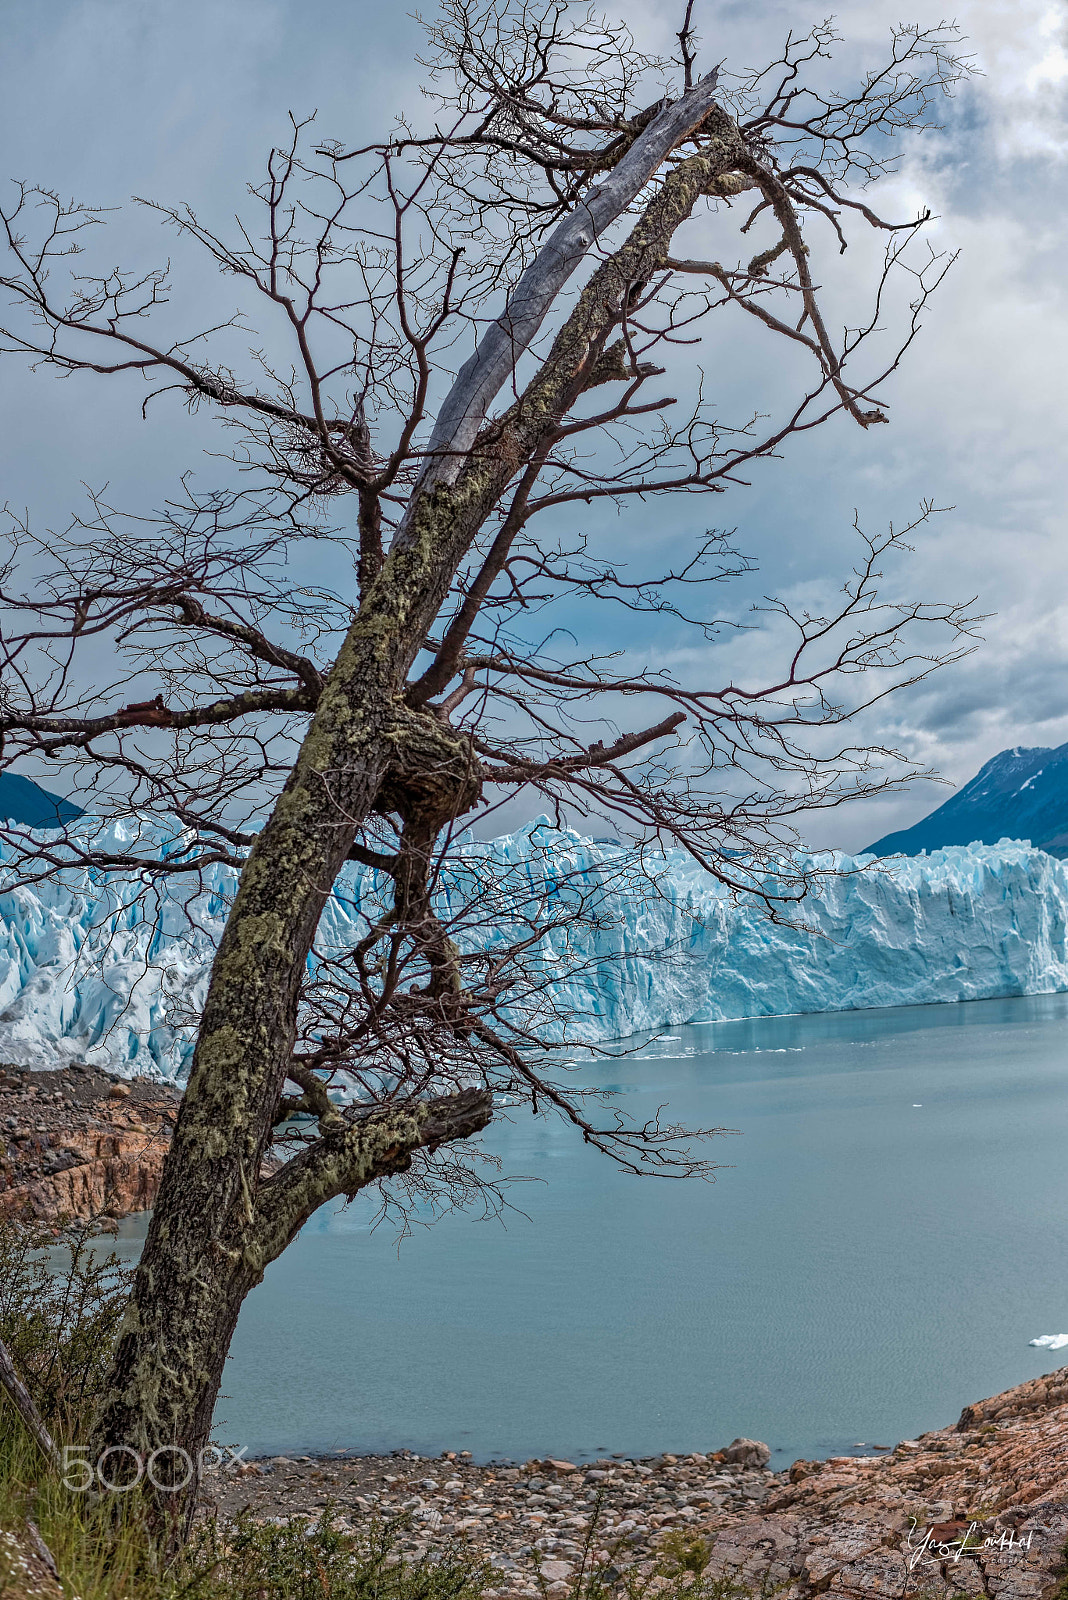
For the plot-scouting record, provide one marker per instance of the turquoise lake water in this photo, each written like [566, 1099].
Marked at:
[887, 1232]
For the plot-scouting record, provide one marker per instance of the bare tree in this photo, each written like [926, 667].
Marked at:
[532, 222]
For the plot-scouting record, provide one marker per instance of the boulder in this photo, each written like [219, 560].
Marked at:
[556, 1571]
[747, 1453]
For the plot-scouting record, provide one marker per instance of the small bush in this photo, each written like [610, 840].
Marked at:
[687, 1585]
[683, 1552]
[292, 1561]
[59, 1318]
[679, 1573]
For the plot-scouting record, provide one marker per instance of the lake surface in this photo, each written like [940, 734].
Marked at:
[887, 1232]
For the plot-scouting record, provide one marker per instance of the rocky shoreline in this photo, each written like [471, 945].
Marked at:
[78, 1145]
[978, 1508]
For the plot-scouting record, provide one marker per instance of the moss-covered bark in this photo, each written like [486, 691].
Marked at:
[217, 1223]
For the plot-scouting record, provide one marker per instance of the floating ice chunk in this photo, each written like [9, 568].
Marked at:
[1051, 1341]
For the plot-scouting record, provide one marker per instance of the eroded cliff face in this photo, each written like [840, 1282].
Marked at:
[79, 1145]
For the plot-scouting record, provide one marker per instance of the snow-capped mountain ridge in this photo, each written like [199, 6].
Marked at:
[1020, 793]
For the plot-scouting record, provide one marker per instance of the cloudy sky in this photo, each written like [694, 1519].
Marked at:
[104, 99]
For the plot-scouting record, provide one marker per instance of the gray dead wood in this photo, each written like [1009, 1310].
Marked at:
[22, 1401]
[483, 374]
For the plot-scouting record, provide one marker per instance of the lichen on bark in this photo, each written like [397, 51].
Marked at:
[218, 1221]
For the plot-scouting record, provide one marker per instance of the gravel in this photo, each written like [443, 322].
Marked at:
[516, 1517]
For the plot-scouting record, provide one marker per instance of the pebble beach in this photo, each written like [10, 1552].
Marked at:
[539, 1516]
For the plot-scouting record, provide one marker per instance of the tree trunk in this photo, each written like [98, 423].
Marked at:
[198, 1267]
[217, 1222]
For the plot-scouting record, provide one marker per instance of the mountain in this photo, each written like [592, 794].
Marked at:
[27, 803]
[1019, 794]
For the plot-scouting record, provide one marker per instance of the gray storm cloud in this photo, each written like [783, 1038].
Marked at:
[105, 99]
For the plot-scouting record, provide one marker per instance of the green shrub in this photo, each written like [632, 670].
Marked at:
[678, 1574]
[683, 1552]
[59, 1316]
[292, 1561]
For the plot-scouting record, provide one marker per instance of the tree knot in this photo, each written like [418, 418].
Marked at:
[433, 775]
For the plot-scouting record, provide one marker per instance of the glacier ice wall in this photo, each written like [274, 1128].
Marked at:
[101, 967]
[95, 967]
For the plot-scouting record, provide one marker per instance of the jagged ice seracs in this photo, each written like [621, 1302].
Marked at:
[100, 967]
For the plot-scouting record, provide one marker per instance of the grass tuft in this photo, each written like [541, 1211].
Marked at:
[59, 1316]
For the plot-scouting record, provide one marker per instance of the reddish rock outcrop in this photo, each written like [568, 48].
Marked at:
[78, 1144]
[980, 1508]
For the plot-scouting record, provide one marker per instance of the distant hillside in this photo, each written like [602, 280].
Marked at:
[1019, 794]
[27, 803]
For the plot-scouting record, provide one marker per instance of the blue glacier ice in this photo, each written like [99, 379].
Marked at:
[98, 967]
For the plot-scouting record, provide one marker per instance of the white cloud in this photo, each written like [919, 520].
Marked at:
[1021, 49]
[105, 97]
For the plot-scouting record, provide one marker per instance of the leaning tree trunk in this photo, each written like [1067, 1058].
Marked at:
[218, 1220]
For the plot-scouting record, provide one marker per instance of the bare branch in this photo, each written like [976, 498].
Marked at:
[480, 379]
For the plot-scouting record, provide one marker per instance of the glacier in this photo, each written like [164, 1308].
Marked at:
[103, 968]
